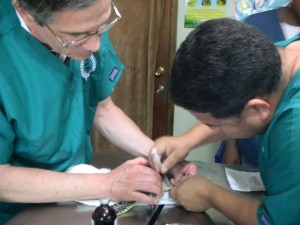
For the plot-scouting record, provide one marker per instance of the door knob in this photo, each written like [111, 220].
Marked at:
[160, 71]
[160, 89]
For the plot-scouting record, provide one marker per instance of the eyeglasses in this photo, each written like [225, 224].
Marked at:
[98, 32]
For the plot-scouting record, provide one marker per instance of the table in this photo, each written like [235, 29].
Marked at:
[79, 214]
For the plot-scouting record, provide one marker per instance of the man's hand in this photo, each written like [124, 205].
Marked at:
[171, 150]
[132, 180]
[182, 169]
[191, 192]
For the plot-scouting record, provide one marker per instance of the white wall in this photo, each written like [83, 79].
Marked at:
[183, 121]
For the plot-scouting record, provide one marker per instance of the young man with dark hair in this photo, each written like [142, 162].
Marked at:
[234, 80]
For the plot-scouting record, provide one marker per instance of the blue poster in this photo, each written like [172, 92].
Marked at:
[244, 8]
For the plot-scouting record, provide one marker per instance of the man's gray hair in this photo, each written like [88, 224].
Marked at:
[44, 11]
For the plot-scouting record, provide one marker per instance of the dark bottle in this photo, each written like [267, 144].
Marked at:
[104, 214]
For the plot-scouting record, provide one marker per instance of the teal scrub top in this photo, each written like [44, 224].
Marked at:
[46, 107]
[279, 159]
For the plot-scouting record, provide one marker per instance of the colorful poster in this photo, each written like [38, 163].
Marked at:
[197, 11]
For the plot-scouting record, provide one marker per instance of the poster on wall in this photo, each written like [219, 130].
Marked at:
[197, 11]
[244, 8]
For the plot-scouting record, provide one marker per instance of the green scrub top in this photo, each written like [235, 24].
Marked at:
[46, 107]
[279, 158]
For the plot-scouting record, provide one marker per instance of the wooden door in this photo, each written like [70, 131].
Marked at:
[145, 39]
[163, 108]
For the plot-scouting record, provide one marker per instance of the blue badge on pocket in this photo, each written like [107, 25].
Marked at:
[114, 73]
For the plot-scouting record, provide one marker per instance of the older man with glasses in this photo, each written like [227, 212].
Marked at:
[47, 108]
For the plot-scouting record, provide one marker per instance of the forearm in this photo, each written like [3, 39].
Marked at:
[239, 209]
[120, 130]
[31, 185]
[197, 194]
[200, 135]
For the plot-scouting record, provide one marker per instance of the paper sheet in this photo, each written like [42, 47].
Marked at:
[244, 181]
